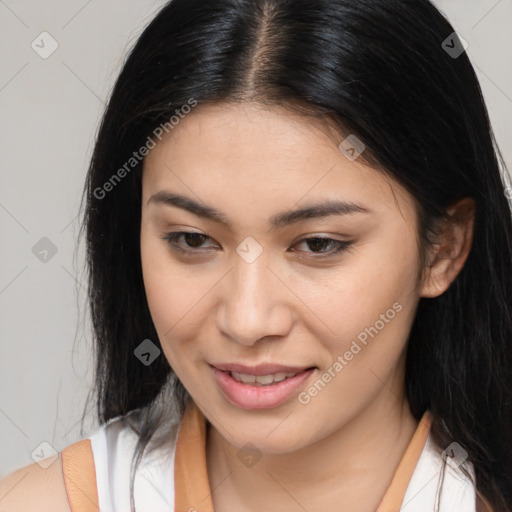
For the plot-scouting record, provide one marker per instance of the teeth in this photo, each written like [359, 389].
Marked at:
[262, 380]
[265, 379]
[246, 378]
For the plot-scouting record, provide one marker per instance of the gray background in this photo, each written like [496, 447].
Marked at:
[50, 110]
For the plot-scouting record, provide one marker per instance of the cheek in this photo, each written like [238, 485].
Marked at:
[369, 314]
[177, 296]
[155, 276]
[365, 310]
[168, 289]
[166, 294]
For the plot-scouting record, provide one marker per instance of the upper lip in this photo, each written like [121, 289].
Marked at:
[260, 369]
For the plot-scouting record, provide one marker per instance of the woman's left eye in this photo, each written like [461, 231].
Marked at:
[193, 242]
[319, 242]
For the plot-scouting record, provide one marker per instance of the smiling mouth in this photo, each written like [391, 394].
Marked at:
[263, 391]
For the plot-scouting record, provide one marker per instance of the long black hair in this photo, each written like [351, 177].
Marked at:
[393, 73]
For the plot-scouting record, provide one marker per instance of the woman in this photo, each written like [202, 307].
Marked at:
[300, 247]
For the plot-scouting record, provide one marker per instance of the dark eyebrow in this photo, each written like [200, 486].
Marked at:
[315, 211]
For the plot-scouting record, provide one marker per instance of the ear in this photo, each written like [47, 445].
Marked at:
[448, 255]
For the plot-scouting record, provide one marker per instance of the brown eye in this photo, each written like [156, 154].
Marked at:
[194, 239]
[316, 244]
[191, 241]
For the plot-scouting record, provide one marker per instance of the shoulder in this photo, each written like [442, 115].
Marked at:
[96, 470]
[61, 483]
[35, 488]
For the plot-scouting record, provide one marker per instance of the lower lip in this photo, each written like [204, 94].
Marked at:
[248, 396]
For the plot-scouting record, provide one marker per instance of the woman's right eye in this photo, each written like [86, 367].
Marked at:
[193, 241]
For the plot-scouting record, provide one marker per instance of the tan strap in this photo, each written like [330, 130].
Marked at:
[80, 477]
[392, 500]
[192, 489]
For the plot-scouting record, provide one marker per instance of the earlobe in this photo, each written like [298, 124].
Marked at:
[449, 254]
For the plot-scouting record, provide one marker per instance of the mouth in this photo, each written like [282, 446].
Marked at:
[254, 389]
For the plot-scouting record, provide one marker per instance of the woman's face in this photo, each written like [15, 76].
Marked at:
[245, 289]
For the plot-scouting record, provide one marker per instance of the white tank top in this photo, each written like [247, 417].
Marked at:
[113, 446]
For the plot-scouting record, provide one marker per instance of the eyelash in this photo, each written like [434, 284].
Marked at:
[173, 237]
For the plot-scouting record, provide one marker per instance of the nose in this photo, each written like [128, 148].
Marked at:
[255, 303]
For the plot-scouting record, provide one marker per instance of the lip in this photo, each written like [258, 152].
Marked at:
[250, 396]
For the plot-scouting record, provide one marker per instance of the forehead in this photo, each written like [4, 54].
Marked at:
[250, 155]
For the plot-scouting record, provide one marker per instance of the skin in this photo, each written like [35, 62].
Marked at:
[290, 306]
